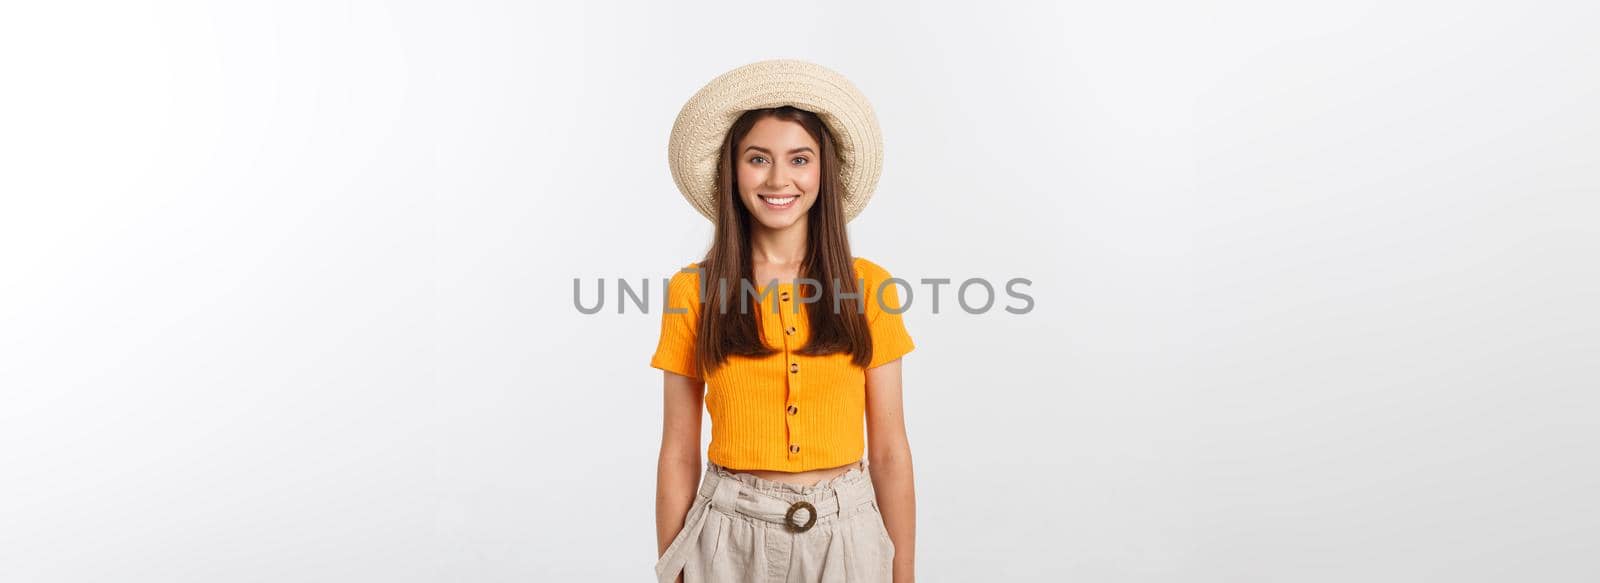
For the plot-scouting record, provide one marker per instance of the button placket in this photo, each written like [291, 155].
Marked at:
[787, 313]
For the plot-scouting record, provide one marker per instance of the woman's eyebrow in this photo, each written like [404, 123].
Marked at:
[769, 152]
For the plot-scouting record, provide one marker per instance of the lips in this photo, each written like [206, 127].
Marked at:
[779, 202]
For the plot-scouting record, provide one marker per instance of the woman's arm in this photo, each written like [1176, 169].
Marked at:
[889, 456]
[678, 467]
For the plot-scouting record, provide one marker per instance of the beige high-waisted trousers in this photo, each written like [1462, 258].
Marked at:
[741, 529]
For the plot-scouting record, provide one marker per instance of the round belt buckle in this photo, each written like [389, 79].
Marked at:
[811, 511]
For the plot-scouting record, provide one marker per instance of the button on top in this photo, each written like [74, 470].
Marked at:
[783, 296]
[791, 330]
[794, 367]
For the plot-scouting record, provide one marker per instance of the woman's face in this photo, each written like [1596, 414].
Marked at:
[779, 170]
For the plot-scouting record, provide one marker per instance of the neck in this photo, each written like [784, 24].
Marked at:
[785, 246]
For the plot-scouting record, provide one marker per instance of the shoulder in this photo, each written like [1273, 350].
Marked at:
[689, 272]
[880, 291]
[685, 279]
[870, 271]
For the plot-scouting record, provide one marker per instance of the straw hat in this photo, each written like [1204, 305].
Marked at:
[703, 124]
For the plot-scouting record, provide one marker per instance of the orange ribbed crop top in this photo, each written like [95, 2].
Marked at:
[786, 412]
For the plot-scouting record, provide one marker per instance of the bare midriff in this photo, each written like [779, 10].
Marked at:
[806, 478]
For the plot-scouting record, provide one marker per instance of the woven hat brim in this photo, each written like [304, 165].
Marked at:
[703, 123]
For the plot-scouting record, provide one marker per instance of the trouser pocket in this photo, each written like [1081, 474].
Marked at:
[692, 523]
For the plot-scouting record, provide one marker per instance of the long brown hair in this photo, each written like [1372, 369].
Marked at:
[728, 331]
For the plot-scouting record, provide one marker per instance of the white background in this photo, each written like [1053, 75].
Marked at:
[286, 287]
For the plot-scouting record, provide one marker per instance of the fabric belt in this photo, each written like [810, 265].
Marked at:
[799, 512]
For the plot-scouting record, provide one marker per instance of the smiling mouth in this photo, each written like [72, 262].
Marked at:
[779, 202]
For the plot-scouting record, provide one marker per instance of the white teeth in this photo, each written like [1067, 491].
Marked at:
[778, 201]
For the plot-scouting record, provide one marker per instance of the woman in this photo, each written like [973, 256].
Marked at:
[788, 340]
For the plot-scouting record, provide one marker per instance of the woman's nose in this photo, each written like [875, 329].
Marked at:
[778, 178]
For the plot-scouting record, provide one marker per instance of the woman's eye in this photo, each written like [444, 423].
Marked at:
[801, 160]
[755, 160]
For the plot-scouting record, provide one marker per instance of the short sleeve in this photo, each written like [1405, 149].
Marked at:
[680, 319]
[890, 340]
